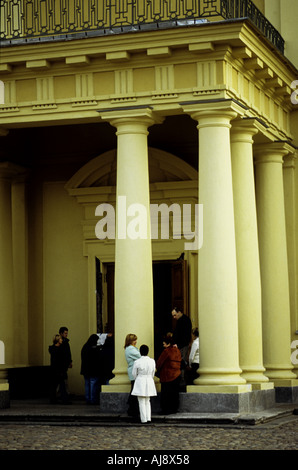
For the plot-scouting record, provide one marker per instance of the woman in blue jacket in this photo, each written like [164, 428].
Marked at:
[131, 354]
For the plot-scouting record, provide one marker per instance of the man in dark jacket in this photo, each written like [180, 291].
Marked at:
[63, 332]
[66, 353]
[182, 336]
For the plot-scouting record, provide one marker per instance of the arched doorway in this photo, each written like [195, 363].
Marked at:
[174, 271]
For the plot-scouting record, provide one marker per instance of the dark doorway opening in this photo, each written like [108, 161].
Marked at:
[162, 303]
[170, 289]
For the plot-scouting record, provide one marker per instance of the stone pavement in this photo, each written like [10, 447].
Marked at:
[36, 425]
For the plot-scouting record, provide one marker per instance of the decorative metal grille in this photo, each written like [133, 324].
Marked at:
[38, 19]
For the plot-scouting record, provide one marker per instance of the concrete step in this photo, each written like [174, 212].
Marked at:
[81, 414]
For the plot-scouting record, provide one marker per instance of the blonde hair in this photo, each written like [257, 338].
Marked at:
[56, 339]
[129, 339]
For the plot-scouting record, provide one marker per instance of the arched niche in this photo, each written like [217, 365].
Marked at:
[101, 171]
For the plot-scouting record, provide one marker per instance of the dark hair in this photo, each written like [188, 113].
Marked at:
[168, 338]
[62, 329]
[92, 340]
[144, 350]
[195, 332]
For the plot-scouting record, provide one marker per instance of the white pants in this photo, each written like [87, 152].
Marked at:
[145, 409]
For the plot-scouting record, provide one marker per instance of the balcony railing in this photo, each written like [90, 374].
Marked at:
[40, 20]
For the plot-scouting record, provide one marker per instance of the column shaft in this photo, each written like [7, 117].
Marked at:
[273, 260]
[133, 256]
[6, 271]
[289, 169]
[247, 249]
[20, 271]
[219, 355]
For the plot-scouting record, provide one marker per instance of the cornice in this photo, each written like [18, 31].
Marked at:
[236, 33]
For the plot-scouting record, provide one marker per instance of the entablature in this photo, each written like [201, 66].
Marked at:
[65, 82]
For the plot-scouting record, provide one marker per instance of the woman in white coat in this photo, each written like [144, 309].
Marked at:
[144, 387]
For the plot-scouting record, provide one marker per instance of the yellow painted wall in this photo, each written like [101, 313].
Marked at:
[283, 15]
[65, 275]
[260, 5]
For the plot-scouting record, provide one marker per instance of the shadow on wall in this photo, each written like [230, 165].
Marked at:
[29, 382]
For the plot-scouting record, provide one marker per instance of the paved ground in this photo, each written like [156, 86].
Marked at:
[38, 426]
[156, 437]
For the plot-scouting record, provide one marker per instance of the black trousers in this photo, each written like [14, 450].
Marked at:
[169, 396]
[192, 373]
[133, 404]
[58, 379]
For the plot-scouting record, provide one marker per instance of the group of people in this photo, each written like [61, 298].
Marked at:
[97, 363]
[178, 364]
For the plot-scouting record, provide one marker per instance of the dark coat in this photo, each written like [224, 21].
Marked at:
[58, 366]
[182, 333]
[91, 365]
[97, 361]
[66, 352]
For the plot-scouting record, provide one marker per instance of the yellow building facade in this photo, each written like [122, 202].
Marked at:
[121, 109]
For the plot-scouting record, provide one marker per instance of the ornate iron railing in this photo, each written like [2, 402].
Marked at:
[33, 20]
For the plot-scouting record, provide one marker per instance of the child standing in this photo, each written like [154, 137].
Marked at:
[143, 372]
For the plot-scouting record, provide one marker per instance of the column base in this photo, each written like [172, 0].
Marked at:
[254, 376]
[262, 386]
[232, 401]
[118, 388]
[286, 391]
[226, 400]
[4, 396]
[243, 388]
[222, 378]
[280, 374]
[120, 378]
[122, 388]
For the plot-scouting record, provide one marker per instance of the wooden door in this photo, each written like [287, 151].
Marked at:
[110, 280]
[180, 287]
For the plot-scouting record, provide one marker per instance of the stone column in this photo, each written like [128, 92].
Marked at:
[133, 256]
[289, 169]
[247, 249]
[218, 315]
[6, 264]
[20, 269]
[7, 294]
[273, 262]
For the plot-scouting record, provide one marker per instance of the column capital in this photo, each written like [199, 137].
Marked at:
[244, 129]
[214, 113]
[272, 152]
[134, 119]
[290, 159]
